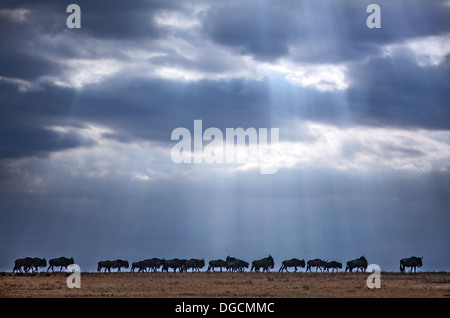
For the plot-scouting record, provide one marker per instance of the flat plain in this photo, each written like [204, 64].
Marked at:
[226, 285]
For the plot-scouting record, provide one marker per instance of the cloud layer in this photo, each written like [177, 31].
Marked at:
[87, 115]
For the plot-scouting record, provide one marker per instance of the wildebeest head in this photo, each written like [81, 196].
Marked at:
[419, 261]
[272, 263]
[363, 260]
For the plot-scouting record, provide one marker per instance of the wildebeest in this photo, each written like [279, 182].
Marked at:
[59, 262]
[317, 263]
[292, 263]
[119, 264]
[104, 264]
[359, 263]
[333, 265]
[195, 264]
[152, 263]
[146, 265]
[264, 263]
[38, 262]
[140, 265]
[175, 264]
[412, 262]
[216, 263]
[235, 264]
[107, 265]
[28, 263]
[23, 263]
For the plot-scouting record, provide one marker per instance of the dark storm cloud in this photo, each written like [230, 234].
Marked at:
[386, 92]
[397, 91]
[263, 30]
[103, 19]
[124, 20]
[26, 122]
[320, 31]
[22, 140]
[132, 109]
[152, 109]
[30, 67]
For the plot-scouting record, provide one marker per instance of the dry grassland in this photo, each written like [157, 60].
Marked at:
[226, 285]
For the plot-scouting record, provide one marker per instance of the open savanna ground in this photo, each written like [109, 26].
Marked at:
[225, 285]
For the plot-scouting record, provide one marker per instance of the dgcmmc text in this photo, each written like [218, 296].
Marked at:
[226, 307]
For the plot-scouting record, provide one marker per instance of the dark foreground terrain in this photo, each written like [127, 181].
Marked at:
[208, 285]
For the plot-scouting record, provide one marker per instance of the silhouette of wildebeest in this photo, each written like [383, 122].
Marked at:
[59, 262]
[217, 263]
[103, 264]
[28, 263]
[152, 263]
[359, 263]
[107, 265]
[140, 265]
[195, 264]
[333, 265]
[175, 264]
[119, 264]
[317, 263]
[38, 262]
[412, 262]
[235, 264]
[146, 265]
[21, 263]
[292, 263]
[264, 263]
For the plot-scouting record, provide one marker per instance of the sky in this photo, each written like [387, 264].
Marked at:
[361, 167]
